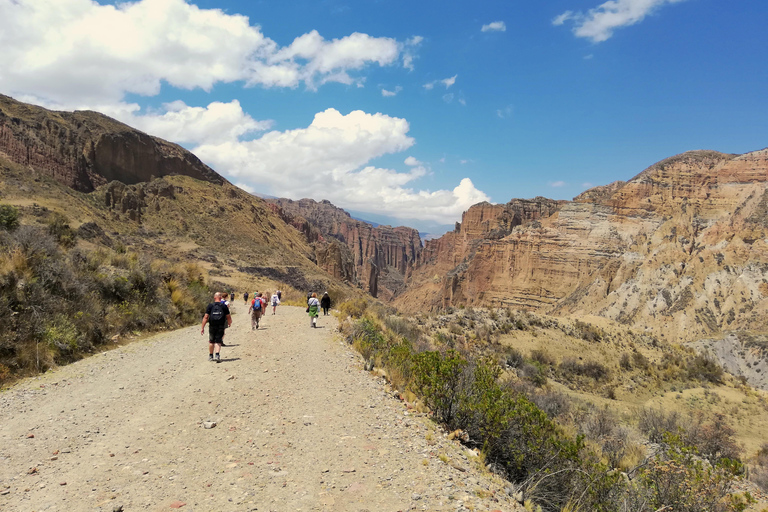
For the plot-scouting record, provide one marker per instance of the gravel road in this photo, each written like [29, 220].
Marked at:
[299, 426]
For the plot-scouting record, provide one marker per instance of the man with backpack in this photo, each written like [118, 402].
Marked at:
[256, 310]
[218, 318]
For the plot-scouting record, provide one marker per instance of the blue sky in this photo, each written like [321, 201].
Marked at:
[406, 112]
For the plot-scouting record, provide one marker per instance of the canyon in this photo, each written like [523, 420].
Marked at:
[680, 250]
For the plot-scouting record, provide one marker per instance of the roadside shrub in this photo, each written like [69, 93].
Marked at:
[402, 327]
[399, 363]
[367, 338]
[437, 380]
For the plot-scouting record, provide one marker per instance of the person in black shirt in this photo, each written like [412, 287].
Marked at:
[325, 303]
[218, 318]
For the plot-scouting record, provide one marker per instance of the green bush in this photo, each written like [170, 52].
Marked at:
[437, 380]
[9, 217]
[367, 338]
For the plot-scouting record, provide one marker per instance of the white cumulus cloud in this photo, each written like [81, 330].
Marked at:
[496, 26]
[330, 160]
[599, 23]
[216, 123]
[73, 52]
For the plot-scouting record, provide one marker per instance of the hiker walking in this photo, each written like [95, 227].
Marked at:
[325, 303]
[218, 318]
[256, 310]
[312, 306]
[245, 298]
[275, 301]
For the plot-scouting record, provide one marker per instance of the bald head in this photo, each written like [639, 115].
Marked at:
[217, 296]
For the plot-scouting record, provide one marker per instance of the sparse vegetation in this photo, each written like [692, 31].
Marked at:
[63, 302]
[558, 457]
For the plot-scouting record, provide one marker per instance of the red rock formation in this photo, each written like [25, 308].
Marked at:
[379, 256]
[84, 150]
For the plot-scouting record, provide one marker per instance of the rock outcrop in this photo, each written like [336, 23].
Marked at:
[84, 150]
[680, 250]
[375, 258]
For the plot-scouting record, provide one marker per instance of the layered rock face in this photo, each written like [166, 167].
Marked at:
[681, 250]
[84, 150]
[375, 258]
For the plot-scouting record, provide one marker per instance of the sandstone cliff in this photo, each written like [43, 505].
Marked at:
[375, 258]
[84, 150]
[680, 250]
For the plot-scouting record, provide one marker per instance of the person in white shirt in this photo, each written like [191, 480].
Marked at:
[313, 305]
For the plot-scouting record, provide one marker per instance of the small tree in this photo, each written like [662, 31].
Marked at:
[9, 217]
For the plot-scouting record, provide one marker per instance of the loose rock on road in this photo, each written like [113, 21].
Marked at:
[288, 421]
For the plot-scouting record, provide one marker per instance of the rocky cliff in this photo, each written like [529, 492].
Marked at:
[681, 250]
[84, 150]
[376, 258]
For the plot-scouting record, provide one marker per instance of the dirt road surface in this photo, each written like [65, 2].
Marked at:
[299, 426]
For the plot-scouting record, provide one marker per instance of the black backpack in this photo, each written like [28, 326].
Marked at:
[217, 312]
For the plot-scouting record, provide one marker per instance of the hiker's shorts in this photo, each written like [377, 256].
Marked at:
[216, 332]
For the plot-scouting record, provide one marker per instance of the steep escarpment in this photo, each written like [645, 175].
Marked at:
[84, 150]
[681, 250]
[376, 258]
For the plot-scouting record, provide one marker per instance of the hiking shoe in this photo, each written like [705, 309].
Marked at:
[210, 357]
[218, 358]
